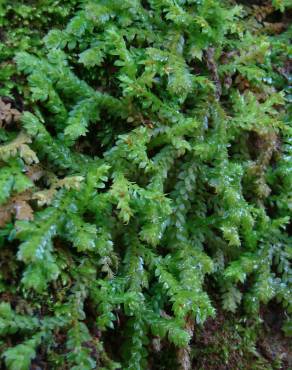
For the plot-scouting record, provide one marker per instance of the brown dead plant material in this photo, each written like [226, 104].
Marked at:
[17, 206]
[8, 114]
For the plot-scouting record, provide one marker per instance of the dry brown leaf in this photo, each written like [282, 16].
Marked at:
[23, 211]
[5, 215]
[261, 12]
[34, 172]
[17, 206]
[8, 114]
[274, 28]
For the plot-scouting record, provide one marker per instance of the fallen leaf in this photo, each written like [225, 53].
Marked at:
[8, 114]
[23, 210]
[5, 215]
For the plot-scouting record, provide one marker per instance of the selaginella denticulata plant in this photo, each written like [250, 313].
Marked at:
[146, 184]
